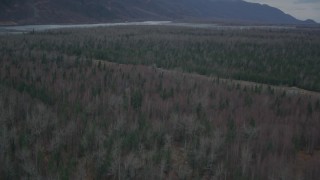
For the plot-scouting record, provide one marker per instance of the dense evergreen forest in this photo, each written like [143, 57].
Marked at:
[288, 57]
[154, 103]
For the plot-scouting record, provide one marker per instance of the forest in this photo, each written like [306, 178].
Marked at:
[160, 103]
[287, 57]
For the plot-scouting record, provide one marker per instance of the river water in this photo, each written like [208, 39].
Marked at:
[30, 28]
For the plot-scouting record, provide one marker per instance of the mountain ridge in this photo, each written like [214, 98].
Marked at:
[85, 11]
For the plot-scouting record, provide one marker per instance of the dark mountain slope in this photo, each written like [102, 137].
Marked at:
[79, 11]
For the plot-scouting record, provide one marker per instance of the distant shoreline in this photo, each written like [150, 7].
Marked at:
[30, 28]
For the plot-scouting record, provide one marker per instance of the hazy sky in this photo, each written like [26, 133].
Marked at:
[300, 9]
